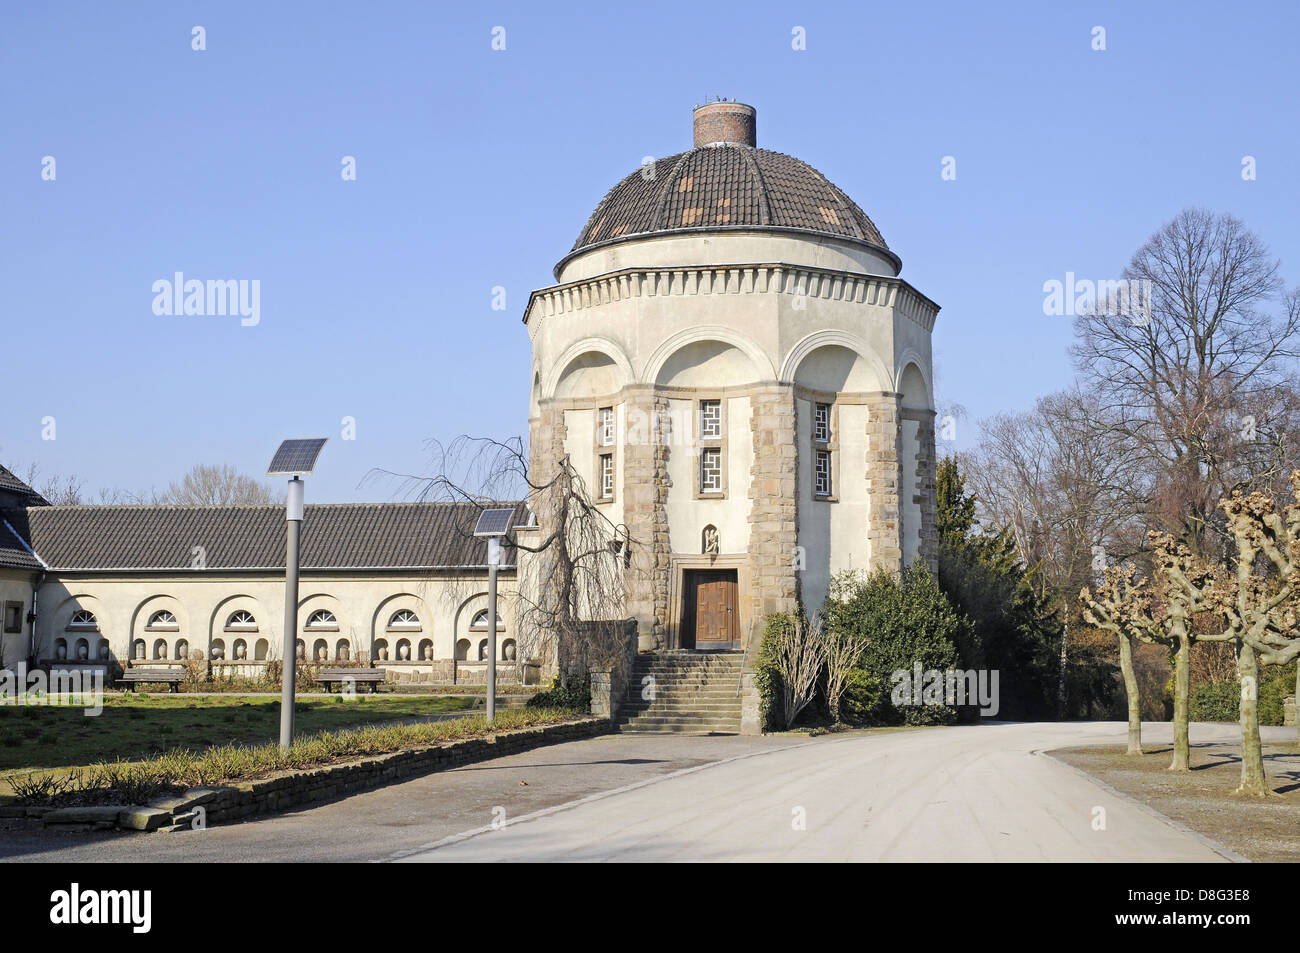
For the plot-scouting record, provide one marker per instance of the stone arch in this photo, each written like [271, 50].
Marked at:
[591, 367]
[861, 368]
[676, 345]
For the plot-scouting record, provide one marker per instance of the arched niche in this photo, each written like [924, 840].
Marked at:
[590, 374]
[914, 389]
[707, 364]
[837, 369]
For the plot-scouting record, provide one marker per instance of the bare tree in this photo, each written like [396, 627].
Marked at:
[842, 648]
[799, 661]
[1122, 607]
[1201, 383]
[217, 485]
[1158, 610]
[1068, 491]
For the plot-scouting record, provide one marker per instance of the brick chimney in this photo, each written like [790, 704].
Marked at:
[723, 122]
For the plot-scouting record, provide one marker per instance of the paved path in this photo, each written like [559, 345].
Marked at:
[983, 792]
[967, 793]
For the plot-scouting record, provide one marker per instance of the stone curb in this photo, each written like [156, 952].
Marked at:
[202, 807]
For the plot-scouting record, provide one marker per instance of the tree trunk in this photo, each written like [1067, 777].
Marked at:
[1060, 681]
[1252, 757]
[1131, 690]
[1182, 702]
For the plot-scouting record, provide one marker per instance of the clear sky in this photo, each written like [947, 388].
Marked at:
[476, 168]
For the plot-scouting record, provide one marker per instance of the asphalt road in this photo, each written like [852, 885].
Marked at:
[984, 792]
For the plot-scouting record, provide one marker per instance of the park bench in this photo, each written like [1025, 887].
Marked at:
[356, 676]
[168, 676]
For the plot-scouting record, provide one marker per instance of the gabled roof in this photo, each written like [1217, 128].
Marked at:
[14, 492]
[351, 536]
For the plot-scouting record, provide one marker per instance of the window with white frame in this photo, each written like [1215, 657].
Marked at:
[711, 470]
[605, 426]
[606, 476]
[822, 473]
[710, 420]
[162, 619]
[82, 619]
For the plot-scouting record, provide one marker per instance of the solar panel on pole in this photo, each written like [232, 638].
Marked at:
[494, 522]
[296, 456]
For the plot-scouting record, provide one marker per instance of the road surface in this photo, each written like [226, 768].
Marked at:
[977, 793]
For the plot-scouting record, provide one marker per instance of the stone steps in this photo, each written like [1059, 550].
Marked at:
[693, 694]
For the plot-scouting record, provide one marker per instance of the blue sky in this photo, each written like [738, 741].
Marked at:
[476, 168]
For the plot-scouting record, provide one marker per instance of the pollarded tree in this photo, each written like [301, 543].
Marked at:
[1265, 600]
[1122, 606]
[1159, 610]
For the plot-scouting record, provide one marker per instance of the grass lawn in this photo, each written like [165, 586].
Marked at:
[138, 726]
[1263, 829]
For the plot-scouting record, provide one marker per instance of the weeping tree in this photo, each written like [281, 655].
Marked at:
[571, 589]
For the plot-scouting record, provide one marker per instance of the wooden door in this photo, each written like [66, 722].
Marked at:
[713, 593]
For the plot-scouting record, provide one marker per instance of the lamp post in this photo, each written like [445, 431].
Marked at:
[294, 458]
[493, 524]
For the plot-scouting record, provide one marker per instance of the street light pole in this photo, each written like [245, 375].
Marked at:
[293, 520]
[494, 558]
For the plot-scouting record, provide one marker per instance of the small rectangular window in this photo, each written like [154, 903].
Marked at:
[711, 470]
[710, 420]
[822, 473]
[822, 423]
[607, 476]
[13, 616]
[605, 427]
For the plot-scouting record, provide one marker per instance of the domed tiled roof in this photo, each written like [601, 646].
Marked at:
[725, 187]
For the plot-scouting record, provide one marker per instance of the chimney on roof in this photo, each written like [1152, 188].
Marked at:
[722, 122]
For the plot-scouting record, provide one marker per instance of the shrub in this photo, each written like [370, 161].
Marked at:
[1221, 700]
[1216, 701]
[865, 701]
[907, 620]
[576, 696]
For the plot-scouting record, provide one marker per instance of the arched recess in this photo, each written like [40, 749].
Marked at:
[66, 627]
[592, 367]
[914, 384]
[854, 360]
[379, 630]
[169, 636]
[680, 351]
[312, 635]
[471, 607]
[228, 607]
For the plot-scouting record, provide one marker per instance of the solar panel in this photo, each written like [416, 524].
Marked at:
[494, 522]
[296, 456]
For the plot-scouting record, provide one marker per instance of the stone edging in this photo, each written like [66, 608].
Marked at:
[217, 805]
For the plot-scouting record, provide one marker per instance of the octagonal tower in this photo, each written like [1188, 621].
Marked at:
[731, 359]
